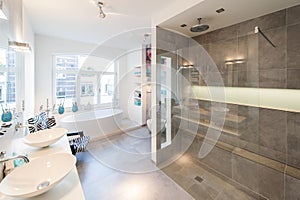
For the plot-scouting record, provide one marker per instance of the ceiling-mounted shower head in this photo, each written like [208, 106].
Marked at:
[199, 27]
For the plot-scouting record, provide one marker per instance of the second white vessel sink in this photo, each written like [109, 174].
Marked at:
[45, 137]
[37, 176]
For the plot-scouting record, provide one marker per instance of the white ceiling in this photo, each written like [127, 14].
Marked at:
[236, 11]
[78, 19]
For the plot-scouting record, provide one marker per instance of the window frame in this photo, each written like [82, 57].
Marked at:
[17, 73]
[78, 85]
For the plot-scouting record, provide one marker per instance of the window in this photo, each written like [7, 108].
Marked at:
[7, 78]
[82, 86]
[66, 68]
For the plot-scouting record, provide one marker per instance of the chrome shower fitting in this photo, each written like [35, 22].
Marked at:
[101, 12]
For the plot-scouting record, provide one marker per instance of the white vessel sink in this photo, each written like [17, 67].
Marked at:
[37, 176]
[45, 137]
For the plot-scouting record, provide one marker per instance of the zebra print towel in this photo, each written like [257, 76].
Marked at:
[39, 122]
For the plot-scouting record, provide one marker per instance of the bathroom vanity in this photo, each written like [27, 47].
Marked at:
[69, 188]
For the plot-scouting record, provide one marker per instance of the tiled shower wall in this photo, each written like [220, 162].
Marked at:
[265, 66]
[270, 133]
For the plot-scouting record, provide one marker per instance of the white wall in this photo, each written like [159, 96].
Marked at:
[45, 48]
[128, 84]
[29, 68]
[18, 28]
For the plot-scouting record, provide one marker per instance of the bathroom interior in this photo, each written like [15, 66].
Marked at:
[179, 99]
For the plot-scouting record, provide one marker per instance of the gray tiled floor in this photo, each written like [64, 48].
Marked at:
[106, 172]
[100, 181]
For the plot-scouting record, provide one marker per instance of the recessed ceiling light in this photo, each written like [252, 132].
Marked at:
[183, 25]
[220, 10]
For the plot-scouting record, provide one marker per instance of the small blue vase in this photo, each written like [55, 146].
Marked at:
[61, 110]
[6, 116]
[74, 107]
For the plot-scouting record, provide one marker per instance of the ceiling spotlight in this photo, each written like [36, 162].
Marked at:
[220, 10]
[101, 12]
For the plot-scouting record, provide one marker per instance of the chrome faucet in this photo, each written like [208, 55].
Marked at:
[20, 125]
[3, 159]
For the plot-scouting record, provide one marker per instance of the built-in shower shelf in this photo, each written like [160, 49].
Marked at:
[209, 125]
[229, 116]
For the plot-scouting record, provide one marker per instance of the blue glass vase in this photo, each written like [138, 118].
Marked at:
[74, 107]
[6, 116]
[61, 109]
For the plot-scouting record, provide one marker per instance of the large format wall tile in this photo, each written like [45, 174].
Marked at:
[271, 183]
[293, 139]
[219, 160]
[275, 78]
[267, 132]
[272, 133]
[261, 179]
[245, 172]
[293, 46]
[292, 186]
[272, 57]
[248, 128]
[266, 22]
[293, 78]
[227, 33]
[293, 15]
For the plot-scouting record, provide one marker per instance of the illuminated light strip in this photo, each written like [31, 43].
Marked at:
[278, 99]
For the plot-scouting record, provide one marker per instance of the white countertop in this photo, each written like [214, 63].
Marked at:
[68, 189]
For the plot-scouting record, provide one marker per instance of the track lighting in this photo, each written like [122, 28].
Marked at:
[101, 12]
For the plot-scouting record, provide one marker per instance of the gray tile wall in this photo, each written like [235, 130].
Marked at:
[271, 133]
[265, 66]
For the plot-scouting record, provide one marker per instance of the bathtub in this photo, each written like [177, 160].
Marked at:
[95, 123]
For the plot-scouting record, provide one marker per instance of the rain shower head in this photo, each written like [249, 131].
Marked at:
[199, 27]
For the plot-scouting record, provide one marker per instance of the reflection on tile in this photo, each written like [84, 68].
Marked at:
[247, 78]
[293, 47]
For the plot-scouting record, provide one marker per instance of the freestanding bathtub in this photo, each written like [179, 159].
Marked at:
[95, 123]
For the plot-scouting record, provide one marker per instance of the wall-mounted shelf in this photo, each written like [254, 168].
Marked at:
[137, 71]
[194, 76]
[137, 97]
